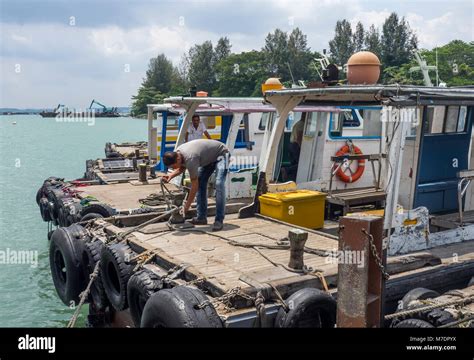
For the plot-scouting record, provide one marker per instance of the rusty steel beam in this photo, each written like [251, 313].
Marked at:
[360, 278]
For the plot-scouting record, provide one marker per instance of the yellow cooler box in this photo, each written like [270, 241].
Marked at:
[300, 207]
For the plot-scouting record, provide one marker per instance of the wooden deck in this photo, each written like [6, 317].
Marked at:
[125, 196]
[122, 196]
[225, 265]
[451, 221]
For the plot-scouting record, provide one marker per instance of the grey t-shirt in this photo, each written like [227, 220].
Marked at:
[201, 152]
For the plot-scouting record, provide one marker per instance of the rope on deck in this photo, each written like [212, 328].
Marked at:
[464, 301]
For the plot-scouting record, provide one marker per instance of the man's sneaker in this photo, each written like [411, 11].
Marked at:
[197, 221]
[217, 226]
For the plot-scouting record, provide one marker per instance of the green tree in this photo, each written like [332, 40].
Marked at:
[159, 74]
[341, 46]
[397, 41]
[201, 71]
[276, 54]
[359, 37]
[241, 74]
[372, 40]
[146, 95]
[285, 51]
[222, 49]
[299, 55]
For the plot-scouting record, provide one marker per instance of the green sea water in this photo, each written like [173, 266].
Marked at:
[30, 151]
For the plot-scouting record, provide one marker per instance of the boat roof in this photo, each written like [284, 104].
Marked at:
[226, 105]
[396, 95]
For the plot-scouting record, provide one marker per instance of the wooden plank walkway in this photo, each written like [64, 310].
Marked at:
[224, 265]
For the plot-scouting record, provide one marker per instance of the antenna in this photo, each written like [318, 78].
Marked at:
[291, 74]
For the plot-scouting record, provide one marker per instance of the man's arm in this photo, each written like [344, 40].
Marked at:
[175, 173]
[207, 134]
[192, 193]
[186, 137]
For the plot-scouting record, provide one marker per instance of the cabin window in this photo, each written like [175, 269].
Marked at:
[462, 119]
[356, 123]
[372, 122]
[172, 122]
[445, 119]
[311, 124]
[264, 121]
[451, 123]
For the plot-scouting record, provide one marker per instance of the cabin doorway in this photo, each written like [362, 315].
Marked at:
[444, 151]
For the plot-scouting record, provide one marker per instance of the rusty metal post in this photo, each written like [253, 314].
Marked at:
[142, 173]
[360, 279]
[297, 239]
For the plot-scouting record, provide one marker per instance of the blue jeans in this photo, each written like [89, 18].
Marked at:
[203, 177]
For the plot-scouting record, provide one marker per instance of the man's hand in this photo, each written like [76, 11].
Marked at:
[186, 206]
[166, 178]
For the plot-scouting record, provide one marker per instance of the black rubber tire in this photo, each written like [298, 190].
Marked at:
[471, 282]
[67, 269]
[413, 323]
[98, 208]
[308, 307]
[416, 294]
[62, 217]
[53, 197]
[141, 286]
[90, 257]
[74, 213]
[44, 209]
[91, 216]
[116, 272]
[178, 308]
[39, 195]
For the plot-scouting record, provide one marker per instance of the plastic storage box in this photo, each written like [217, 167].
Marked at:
[300, 207]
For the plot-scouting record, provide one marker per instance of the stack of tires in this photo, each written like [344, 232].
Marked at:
[63, 209]
[110, 151]
[151, 302]
[416, 298]
[73, 258]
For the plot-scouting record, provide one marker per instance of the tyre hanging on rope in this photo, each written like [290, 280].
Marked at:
[44, 209]
[308, 307]
[341, 172]
[65, 259]
[98, 209]
[116, 270]
[414, 295]
[180, 307]
[141, 286]
[91, 256]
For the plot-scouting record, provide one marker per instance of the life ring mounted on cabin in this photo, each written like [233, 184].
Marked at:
[343, 168]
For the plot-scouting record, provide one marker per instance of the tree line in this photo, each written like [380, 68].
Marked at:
[218, 71]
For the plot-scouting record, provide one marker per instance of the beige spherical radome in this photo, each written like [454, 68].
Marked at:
[363, 68]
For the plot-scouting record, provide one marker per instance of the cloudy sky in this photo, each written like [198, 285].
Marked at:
[69, 51]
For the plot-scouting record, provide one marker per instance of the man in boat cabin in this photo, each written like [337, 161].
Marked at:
[196, 129]
[294, 148]
[201, 158]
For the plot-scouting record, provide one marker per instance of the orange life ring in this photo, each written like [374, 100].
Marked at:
[360, 165]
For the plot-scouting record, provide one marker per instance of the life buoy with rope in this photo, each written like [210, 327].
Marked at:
[350, 149]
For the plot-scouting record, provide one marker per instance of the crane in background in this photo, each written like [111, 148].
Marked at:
[106, 112]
